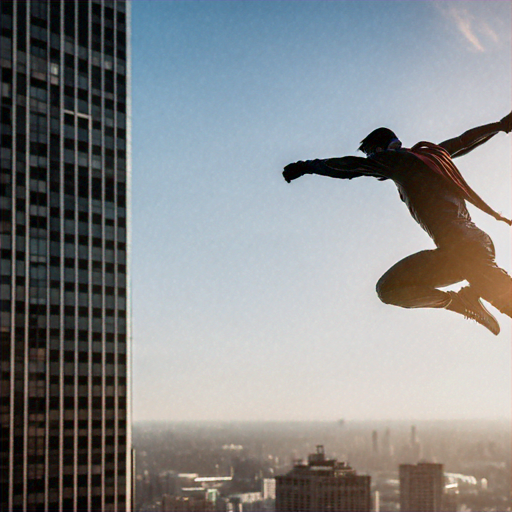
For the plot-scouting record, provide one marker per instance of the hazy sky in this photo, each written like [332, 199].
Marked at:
[255, 299]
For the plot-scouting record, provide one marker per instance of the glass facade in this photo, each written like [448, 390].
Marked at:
[65, 320]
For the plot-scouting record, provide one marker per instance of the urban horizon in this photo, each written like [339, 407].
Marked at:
[236, 461]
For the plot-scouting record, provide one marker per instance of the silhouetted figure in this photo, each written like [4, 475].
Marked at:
[435, 193]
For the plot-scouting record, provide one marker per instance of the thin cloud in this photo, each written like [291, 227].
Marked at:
[464, 23]
[487, 30]
[477, 31]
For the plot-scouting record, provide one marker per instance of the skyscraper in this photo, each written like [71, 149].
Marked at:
[421, 487]
[415, 446]
[375, 443]
[323, 485]
[65, 329]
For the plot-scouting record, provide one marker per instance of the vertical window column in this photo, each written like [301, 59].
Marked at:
[7, 269]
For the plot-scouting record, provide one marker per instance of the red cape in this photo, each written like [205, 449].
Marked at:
[440, 161]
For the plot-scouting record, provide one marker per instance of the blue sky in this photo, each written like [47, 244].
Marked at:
[255, 299]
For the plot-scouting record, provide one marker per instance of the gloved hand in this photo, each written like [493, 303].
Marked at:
[506, 123]
[295, 170]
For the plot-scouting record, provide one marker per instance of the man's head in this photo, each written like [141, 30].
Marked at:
[380, 139]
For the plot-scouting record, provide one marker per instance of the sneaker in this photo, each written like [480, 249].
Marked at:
[468, 304]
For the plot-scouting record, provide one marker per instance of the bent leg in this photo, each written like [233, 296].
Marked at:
[493, 284]
[475, 257]
[413, 281]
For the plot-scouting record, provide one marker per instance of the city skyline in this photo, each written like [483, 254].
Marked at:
[255, 299]
[172, 456]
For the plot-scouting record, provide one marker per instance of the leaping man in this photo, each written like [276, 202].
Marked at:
[435, 193]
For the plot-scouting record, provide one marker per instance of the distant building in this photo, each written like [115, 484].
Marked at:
[195, 502]
[246, 502]
[415, 447]
[375, 442]
[322, 485]
[387, 449]
[421, 487]
[189, 492]
[269, 494]
[269, 489]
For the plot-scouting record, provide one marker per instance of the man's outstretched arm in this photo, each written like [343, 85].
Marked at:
[475, 137]
[347, 167]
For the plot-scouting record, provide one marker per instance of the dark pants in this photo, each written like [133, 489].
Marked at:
[468, 255]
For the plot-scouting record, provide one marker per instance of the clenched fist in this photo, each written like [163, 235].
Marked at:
[506, 124]
[295, 170]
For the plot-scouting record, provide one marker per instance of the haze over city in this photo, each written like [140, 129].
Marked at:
[254, 299]
[475, 456]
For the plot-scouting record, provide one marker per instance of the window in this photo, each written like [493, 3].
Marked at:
[69, 250]
[83, 23]
[55, 16]
[83, 82]
[38, 90]
[38, 48]
[83, 106]
[69, 19]
[69, 103]
[38, 9]
[6, 48]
